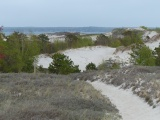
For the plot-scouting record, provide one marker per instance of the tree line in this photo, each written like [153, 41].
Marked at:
[19, 51]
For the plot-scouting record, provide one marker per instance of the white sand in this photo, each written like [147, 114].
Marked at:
[44, 61]
[83, 56]
[53, 38]
[94, 37]
[153, 45]
[130, 106]
[122, 57]
[150, 34]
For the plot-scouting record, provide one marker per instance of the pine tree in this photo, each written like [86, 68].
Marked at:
[62, 65]
[91, 66]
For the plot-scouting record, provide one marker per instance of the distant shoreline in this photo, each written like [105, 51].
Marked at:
[51, 30]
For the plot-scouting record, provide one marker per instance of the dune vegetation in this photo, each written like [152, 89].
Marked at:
[51, 97]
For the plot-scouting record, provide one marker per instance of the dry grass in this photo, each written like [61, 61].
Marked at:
[51, 97]
[144, 81]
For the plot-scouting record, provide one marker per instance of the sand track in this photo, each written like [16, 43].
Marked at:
[130, 106]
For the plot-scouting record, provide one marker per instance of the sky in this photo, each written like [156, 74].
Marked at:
[79, 13]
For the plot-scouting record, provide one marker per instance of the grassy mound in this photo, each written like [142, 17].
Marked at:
[51, 97]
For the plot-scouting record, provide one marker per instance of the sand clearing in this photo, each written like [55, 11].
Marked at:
[86, 55]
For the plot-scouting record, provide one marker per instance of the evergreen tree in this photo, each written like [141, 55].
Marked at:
[44, 41]
[62, 65]
[91, 66]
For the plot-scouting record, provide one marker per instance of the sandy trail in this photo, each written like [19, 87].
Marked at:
[130, 106]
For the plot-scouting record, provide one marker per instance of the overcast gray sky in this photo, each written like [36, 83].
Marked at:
[79, 13]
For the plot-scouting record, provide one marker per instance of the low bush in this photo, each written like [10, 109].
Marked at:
[91, 66]
[51, 97]
[59, 45]
[102, 40]
[76, 41]
[142, 55]
[109, 64]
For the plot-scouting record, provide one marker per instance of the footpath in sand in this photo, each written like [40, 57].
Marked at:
[130, 106]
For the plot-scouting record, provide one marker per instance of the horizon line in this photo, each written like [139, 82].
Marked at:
[75, 27]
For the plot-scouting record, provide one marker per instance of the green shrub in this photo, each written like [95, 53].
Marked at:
[116, 43]
[142, 55]
[62, 65]
[59, 45]
[77, 41]
[43, 37]
[109, 64]
[131, 37]
[102, 40]
[91, 66]
[71, 39]
[83, 42]
[102, 66]
[157, 52]
[126, 41]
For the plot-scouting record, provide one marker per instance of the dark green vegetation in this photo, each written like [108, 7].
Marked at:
[124, 37]
[71, 41]
[120, 37]
[91, 66]
[142, 55]
[62, 65]
[18, 52]
[157, 56]
[102, 40]
[51, 97]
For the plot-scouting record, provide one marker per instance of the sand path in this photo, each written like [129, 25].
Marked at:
[130, 106]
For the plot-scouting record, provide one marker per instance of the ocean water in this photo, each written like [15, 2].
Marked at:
[39, 30]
